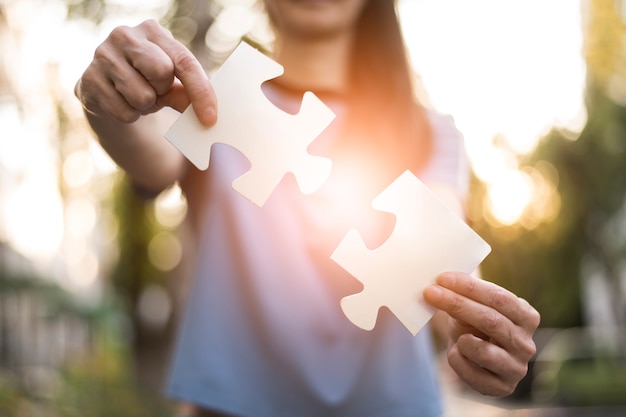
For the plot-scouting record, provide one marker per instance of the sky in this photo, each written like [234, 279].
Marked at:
[504, 69]
[513, 68]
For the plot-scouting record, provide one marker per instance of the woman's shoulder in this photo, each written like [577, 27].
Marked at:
[448, 163]
[443, 123]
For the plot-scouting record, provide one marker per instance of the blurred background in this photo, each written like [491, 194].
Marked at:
[91, 277]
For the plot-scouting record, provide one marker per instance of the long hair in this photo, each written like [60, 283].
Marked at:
[384, 107]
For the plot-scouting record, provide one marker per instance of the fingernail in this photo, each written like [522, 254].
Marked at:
[209, 117]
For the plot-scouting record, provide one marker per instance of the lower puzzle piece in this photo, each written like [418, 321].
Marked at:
[274, 141]
[428, 239]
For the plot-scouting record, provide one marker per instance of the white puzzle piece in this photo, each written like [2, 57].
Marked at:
[274, 141]
[428, 239]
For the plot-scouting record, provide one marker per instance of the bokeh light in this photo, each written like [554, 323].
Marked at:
[54, 176]
[170, 207]
[165, 251]
[78, 168]
[509, 196]
[483, 71]
[154, 307]
[33, 217]
[505, 81]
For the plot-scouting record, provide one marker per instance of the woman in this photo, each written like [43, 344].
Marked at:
[263, 334]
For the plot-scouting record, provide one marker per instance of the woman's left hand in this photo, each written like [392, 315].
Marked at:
[490, 335]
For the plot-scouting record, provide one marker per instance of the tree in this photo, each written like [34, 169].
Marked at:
[556, 263]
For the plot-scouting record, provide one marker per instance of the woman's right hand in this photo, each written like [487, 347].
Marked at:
[139, 70]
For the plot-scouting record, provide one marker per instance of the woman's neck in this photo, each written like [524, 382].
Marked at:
[315, 64]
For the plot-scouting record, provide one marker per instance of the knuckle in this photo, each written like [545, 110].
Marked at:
[88, 92]
[478, 350]
[457, 305]
[453, 355]
[126, 115]
[150, 25]
[103, 52]
[519, 369]
[522, 372]
[161, 76]
[527, 348]
[500, 299]
[184, 61]
[505, 390]
[144, 99]
[127, 38]
[516, 376]
[120, 34]
[534, 318]
[472, 286]
[162, 70]
[483, 353]
[107, 58]
[86, 83]
[492, 322]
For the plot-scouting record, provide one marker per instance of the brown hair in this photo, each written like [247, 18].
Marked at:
[383, 100]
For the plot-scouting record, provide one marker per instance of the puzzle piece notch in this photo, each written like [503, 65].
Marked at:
[428, 239]
[274, 141]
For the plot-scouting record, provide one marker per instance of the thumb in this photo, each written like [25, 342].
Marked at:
[178, 99]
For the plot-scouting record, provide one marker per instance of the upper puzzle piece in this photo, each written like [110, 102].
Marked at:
[274, 141]
[428, 239]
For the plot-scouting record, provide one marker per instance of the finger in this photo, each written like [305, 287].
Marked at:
[189, 71]
[134, 88]
[492, 357]
[154, 65]
[109, 63]
[457, 328]
[99, 96]
[117, 107]
[533, 316]
[483, 318]
[175, 98]
[479, 378]
[140, 69]
[492, 295]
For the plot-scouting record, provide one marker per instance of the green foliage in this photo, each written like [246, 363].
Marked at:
[593, 382]
[104, 385]
[544, 264]
[98, 382]
[93, 10]
[99, 385]
[137, 226]
[536, 265]
[10, 398]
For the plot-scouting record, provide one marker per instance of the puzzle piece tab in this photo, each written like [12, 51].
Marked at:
[428, 239]
[274, 141]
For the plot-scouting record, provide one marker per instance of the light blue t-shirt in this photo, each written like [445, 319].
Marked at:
[264, 335]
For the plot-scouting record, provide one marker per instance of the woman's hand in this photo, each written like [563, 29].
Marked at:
[138, 70]
[490, 339]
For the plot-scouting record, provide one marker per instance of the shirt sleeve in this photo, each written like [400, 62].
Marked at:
[448, 164]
